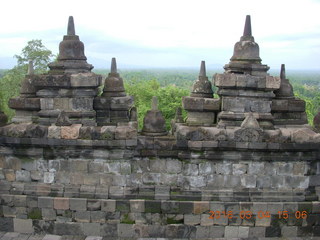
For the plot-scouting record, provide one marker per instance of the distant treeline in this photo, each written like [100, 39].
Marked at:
[170, 85]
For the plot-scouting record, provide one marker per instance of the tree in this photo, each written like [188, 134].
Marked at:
[36, 52]
[170, 97]
[11, 80]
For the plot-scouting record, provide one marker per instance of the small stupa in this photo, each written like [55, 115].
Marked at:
[71, 57]
[154, 123]
[246, 55]
[201, 107]
[286, 108]
[113, 106]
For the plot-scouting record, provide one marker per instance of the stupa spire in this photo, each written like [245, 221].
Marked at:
[283, 72]
[30, 68]
[203, 69]
[71, 54]
[71, 30]
[113, 65]
[247, 27]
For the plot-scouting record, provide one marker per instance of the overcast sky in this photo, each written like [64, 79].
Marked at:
[166, 33]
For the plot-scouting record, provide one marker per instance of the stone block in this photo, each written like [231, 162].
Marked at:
[190, 169]
[205, 220]
[79, 166]
[78, 204]
[61, 203]
[158, 165]
[200, 207]
[224, 80]
[91, 229]
[68, 229]
[89, 80]
[173, 166]
[6, 224]
[224, 168]
[200, 118]
[137, 205]
[191, 219]
[248, 181]
[48, 177]
[82, 104]
[206, 168]
[98, 216]
[20, 200]
[45, 202]
[152, 206]
[239, 169]
[54, 132]
[124, 132]
[9, 211]
[93, 204]
[273, 83]
[62, 104]
[211, 104]
[23, 225]
[203, 232]
[109, 230]
[193, 103]
[121, 103]
[231, 232]
[217, 231]
[126, 231]
[102, 103]
[82, 216]
[70, 132]
[48, 214]
[46, 104]
[9, 175]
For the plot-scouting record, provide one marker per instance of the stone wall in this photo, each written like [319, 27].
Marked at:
[116, 196]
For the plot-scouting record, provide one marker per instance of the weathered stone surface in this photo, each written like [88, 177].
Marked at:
[25, 104]
[61, 203]
[71, 132]
[91, 229]
[154, 122]
[125, 133]
[68, 229]
[54, 132]
[23, 225]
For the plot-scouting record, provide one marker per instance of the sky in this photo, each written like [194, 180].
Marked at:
[166, 33]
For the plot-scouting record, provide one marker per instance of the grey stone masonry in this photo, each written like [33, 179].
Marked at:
[153, 121]
[74, 164]
[113, 106]
[201, 106]
[245, 86]
[69, 87]
[286, 108]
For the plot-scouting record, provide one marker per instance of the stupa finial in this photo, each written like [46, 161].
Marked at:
[113, 65]
[203, 69]
[71, 30]
[30, 67]
[154, 104]
[247, 27]
[283, 72]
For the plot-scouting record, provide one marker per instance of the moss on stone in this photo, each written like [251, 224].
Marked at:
[126, 219]
[106, 135]
[35, 213]
[174, 221]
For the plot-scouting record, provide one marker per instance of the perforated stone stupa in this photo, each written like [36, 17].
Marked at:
[75, 163]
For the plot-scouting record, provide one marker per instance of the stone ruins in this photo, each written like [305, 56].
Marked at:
[73, 162]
